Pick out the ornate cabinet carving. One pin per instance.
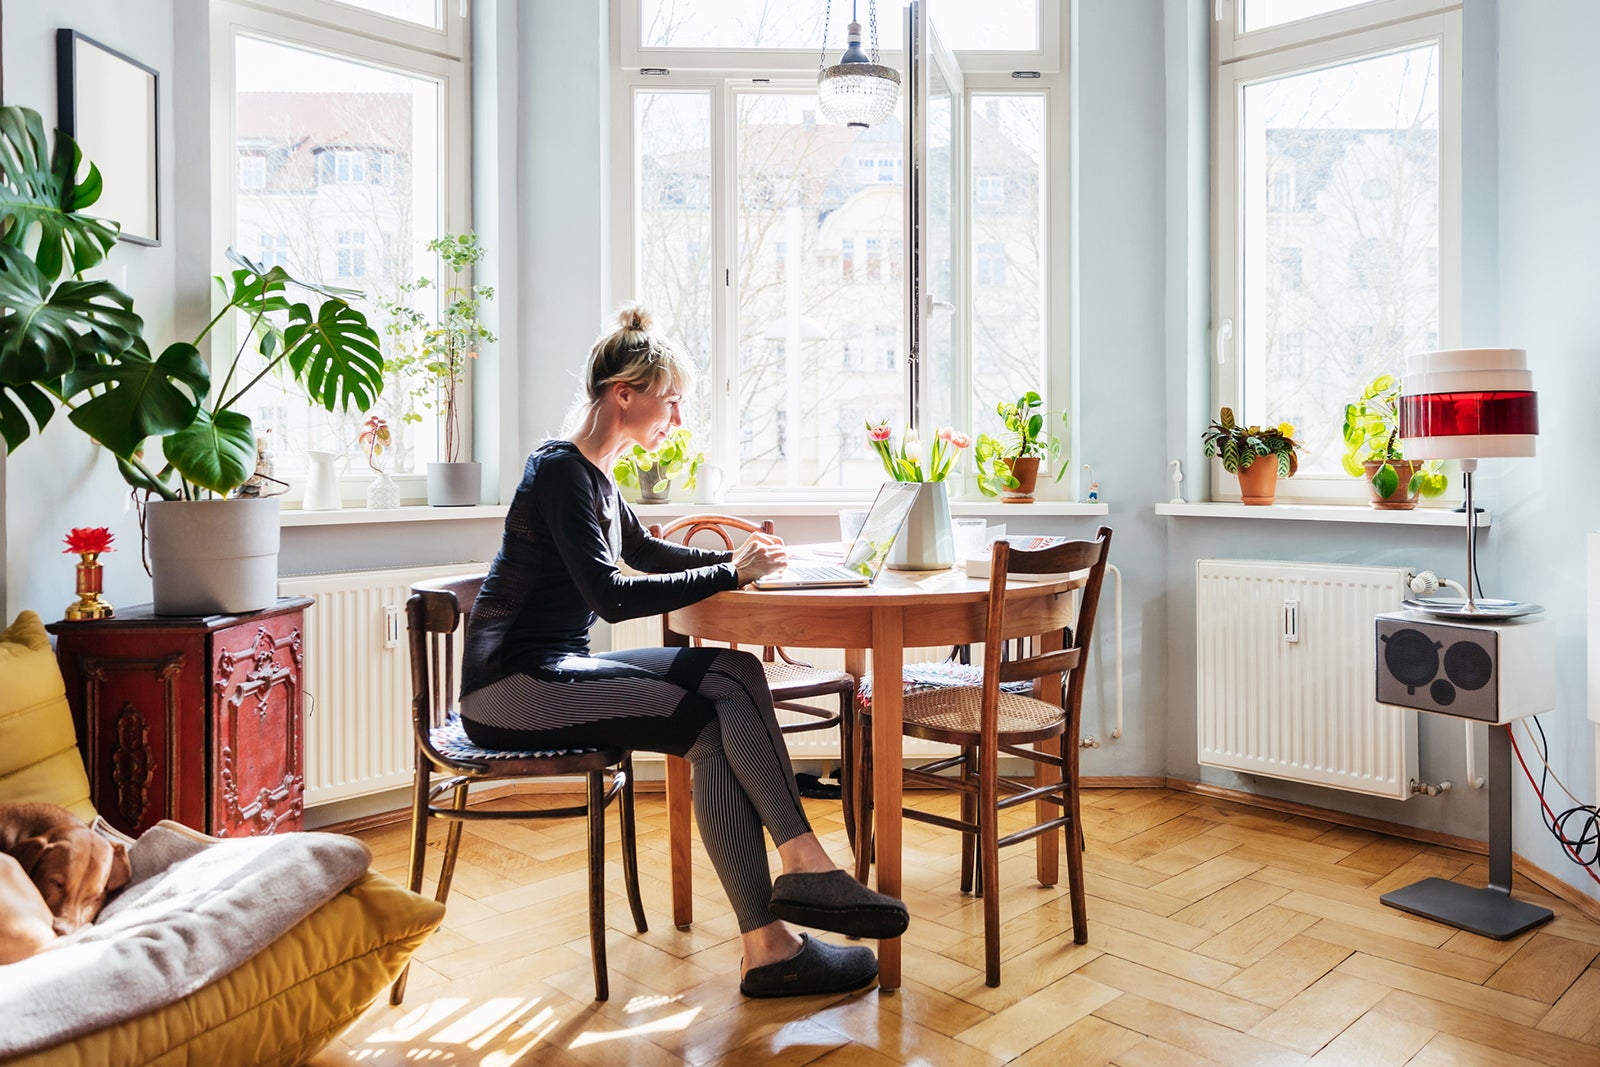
(196, 719)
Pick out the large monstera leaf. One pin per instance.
(133, 397)
(41, 197)
(334, 354)
(216, 452)
(49, 331)
(21, 402)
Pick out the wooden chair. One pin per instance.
(985, 721)
(790, 680)
(437, 615)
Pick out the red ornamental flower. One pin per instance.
(879, 432)
(89, 539)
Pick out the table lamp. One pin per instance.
(1469, 404)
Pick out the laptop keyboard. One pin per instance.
(819, 572)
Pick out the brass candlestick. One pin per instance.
(89, 578)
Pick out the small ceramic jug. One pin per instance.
(708, 481)
(322, 482)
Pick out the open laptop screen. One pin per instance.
(868, 552)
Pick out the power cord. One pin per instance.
(1583, 848)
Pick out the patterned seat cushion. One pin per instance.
(941, 674)
(451, 740)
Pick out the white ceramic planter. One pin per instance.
(454, 485)
(213, 557)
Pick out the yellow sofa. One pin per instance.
(279, 1007)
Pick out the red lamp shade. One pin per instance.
(1468, 403)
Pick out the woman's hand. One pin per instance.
(760, 555)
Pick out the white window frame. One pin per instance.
(1239, 60)
(721, 73)
(349, 33)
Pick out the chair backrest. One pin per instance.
(1070, 557)
(684, 529)
(436, 614)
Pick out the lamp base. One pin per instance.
(1487, 912)
(1451, 608)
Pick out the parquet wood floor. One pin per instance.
(1219, 934)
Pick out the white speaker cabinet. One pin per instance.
(1492, 671)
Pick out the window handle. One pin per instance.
(1224, 335)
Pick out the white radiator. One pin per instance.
(1285, 675)
(358, 679)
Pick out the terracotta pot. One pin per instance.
(1024, 469)
(1400, 499)
(1258, 483)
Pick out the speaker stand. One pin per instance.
(1490, 912)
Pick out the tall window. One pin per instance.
(796, 309)
(350, 155)
(1338, 177)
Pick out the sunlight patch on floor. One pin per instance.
(664, 1025)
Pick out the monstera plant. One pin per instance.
(67, 342)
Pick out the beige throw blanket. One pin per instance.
(194, 911)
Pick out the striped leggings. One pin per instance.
(710, 705)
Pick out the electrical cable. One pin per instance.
(1557, 825)
(1546, 763)
(1588, 840)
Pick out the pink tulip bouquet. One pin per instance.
(905, 464)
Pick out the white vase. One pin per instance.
(383, 493)
(926, 541)
(213, 557)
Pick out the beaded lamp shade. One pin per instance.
(858, 90)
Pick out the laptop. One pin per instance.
(865, 557)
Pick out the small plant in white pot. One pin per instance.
(434, 354)
(75, 344)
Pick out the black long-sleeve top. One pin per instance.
(556, 571)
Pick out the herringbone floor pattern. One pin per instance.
(1218, 934)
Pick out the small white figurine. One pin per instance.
(1177, 482)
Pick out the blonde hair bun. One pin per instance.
(634, 318)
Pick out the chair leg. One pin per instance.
(452, 844)
(419, 852)
(597, 883)
(630, 848)
(847, 800)
(1074, 835)
(862, 744)
(969, 814)
(989, 851)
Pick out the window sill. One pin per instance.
(1320, 513)
(795, 508)
(362, 516)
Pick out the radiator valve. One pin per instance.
(1430, 790)
(1090, 741)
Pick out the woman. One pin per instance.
(530, 682)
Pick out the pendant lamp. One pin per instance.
(858, 90)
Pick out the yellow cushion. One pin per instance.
(39, 760)
(283, 1005)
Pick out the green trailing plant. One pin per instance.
(67, 342)
(1024, 436)
(1241, 446)
(433, 354)
(1372, 435)
(653, 469)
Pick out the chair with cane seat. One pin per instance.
(437, 615)
(985, 721)
(790, 680)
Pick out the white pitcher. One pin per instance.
(708, 484)
(322, 482)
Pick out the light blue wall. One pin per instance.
(1140, 221)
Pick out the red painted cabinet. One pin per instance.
(195, 719)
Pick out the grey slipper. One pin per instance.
(817, 968)
(836, 901)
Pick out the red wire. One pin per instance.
(1570, 850)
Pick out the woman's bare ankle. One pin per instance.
(805, 855)
(772, 943)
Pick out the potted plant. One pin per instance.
(435, 353)
(1008, 466)
(1373, 450)
(1258, 456)
(76, 344)
(375, 437)
(653, 472)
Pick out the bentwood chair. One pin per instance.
(985, 721)
(437, 615)
(792, 681)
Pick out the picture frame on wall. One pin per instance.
(108, 103)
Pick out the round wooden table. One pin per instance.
(903, 609)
